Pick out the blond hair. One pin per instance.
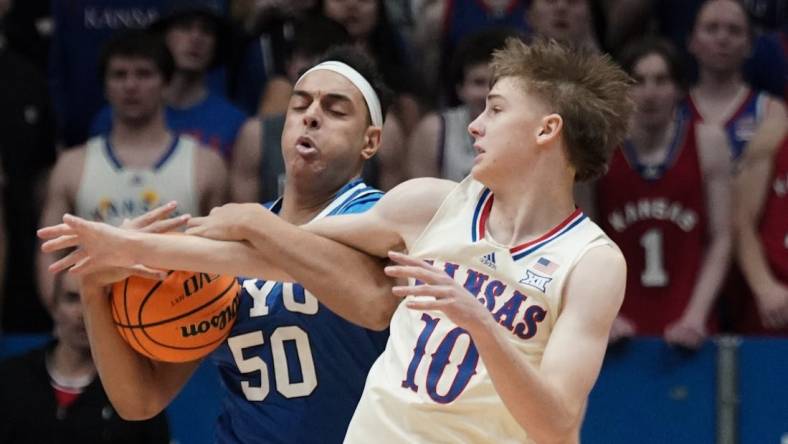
(589, 91)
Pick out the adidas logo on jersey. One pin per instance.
(488, 260)
(535, 280)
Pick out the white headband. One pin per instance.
(373, 103)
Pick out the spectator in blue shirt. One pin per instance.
(195, 32)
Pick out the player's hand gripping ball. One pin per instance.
(179, 319)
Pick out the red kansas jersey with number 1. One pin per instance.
(657, 216)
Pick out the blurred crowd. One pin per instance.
(111, 107)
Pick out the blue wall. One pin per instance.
(647, 393)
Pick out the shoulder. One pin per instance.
(251, 133)
(767, 139)
(774, 106)
(598, 278)
(427, 132)
(71, 158)
(364, 198)
(428, 191)
(430, 123)
(207, 157)
(414, 201)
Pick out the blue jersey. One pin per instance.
(214, 121)
(294, 370)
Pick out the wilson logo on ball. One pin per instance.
(220, 321)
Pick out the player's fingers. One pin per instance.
(153, 215)
(404, 259)
(771, 318)
(60, 243)
(163, 226)
(421, 304)
(415, 272)
(196, 222)
(68, 261)
(54, 231)
(196, 231)
(438, 292)
(768, 320)
(82, 267)
(76, 223)
(147, 272)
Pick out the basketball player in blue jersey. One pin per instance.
(140, 163)
(516, 367)
(293, 368)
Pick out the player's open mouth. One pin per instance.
(306, 146)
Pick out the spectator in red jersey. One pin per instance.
(666, 202)
(720, 41)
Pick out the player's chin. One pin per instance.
(479, 172)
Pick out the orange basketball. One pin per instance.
(179, 319)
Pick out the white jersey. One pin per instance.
(429, 385)
(456, 150)
(110, 192)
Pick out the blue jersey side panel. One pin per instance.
(741, 126)
(294, 371)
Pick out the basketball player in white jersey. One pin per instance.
(140, 164)
(500, 340)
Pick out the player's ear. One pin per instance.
(372, 138)
(549, 129)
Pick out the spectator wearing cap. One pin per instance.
(196, 33)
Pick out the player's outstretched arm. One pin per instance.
(327, 257)
(139, 388)
(339, 258)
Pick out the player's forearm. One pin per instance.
(194, 253)
(712, 275)
(540, 408)
(132, 382)
(752, 259)
(350, 283)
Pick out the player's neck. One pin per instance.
(717, 102)
(140, 145)
(718, 83)
(186, 89)
(651, 141)
(300, 205)
(529, 209)
(71, 362)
